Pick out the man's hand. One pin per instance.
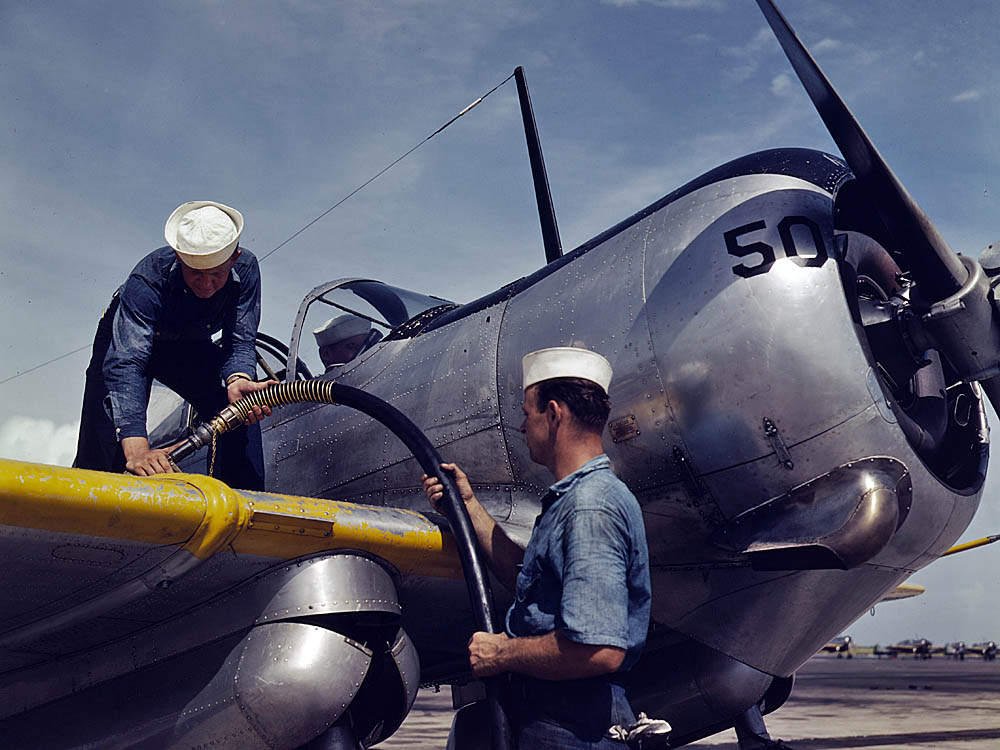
(141, 460)
(486, 653)
(242, 387)
(435, 490)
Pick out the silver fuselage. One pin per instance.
(705, 347)
(748, 417)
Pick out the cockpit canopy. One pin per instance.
(355, 306)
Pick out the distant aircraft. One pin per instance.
(919, 647)
(798, 404)
(842, 645)
(985, 649)
(956, 650)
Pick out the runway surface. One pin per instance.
(887, 704)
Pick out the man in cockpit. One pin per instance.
(341, 339)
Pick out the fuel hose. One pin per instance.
(327, 392)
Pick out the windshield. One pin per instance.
(395, 305)
(340, 320)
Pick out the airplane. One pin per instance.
(841, 645)
(919, 647)
(801, 364)
(955, 650)
(985, 649)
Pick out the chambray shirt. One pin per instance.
(156, 305)
(586, 566)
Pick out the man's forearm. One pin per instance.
(128, 400)
(548, 657)
(502, 553)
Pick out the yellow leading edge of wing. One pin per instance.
(903, 591)
(203, 515)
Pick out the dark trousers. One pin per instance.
(546, 715)
(190, 369)
(750, 730)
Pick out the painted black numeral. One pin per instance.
(788, 241)
(817, 251)
(741, 251)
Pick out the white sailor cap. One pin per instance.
(566, 362)
(340, 328)
(204, 233)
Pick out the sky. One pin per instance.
(116, 112)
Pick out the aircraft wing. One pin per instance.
(903, 591)
(157, 566)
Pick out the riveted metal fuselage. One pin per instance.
(749, 416)
(740, 374)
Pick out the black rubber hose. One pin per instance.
(324, 391)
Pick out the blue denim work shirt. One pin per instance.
(586, 567)
(156, 305)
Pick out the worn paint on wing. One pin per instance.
(203, 515)
(289, 526)
(94, 503)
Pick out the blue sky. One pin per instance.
(116, 112)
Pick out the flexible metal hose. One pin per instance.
(235, 415)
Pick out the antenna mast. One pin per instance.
(546, 211)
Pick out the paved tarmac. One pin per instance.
(887, 704)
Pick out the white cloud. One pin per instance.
(781, 84)
(825, 45)
(967, 96)
(741, 73)
(763, 39)
(38, 440)
(750, 55)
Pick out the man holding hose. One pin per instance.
(581, 587)
(159, 325)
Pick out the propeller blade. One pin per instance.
(935, 268)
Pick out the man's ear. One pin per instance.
(554, 411)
